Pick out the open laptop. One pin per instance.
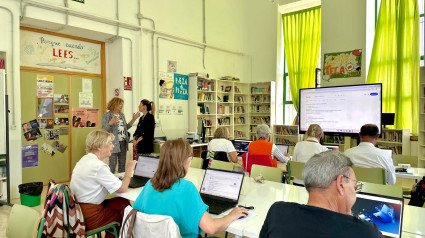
(145, 169)
(332, 147)
(389, 152)
(385, 212)
(283, 148)
(220, 189)
(241, 146)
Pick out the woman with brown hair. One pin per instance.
(144, 134)
(113, 121)
(168, 193)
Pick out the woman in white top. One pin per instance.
(221, 143)
(304, 150)
(92, 180)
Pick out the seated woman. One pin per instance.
(168, 193)
(221, 143)
(304, 150)
(92, 180)
(262, 146)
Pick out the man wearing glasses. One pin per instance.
(331, 184)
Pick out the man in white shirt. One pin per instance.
(366, 155)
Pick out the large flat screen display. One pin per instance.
(342, 109)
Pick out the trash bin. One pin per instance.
(30, 193)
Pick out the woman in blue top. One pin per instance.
(168, 193)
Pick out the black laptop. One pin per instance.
(145, 169)
(241, 146)
(386, 212)
(220, 189)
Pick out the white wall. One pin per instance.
(247, 27)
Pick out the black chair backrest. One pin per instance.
(221, 155)
(204, 158)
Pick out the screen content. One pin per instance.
(241, 145)
(146, 166)
(222, 184)
(386, 213)
(341, 109)
(332, 147)
(283, 148)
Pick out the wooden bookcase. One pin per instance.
(260, 106)
(421, 139)
(397, 140)
(344, 142)
(286, 134)
(241, 110)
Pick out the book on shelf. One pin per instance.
(223, 121)
(237, 90)
(222, 109)
(393, 136)
(240, 99)
(285, 131)
(260, 90)
(239, 109)
(226, 98)
(240, 121)
(228, 89)
(239, 134)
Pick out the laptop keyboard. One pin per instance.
(217, 206)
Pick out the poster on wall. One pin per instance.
(61, 98)
(29, 156)
(169, 107)
(181, 86)
(42, 50)
(85, 99)
(44, 86)
(342, 65)
(166, 85)
(85, 117)
(87, 85)
(48, 149)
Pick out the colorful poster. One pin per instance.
(128, 83)
(61, 98)
(166, 85)
(29, 156)
(48, 149)
(181, 86)
(59, 146)
(85, 117)
(44, 86)
(42, 50)
(342, 65)
(31, 130)
(86, 100)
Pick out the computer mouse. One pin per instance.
(246, 213)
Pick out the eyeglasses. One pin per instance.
(191, 156)
(359, 185)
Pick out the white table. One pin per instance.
(412, 173)
(262, 196)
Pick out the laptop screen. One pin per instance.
(241, 145)
(389, 152)
(385, 212)
(332, 147)
(225, 184)
(146, 166)
(283, 148)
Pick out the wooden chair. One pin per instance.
(295, 169)
(268, 173)
(196, 163)
(405, 159)
(216, 164)
(23, 222)
(371, 175)
(249, 159)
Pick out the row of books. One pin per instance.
(260, 108)
(240, 120)
(260, 120)
(260, 98)
(206, 97)
(205, 85)
(206, 122)
(285, 131)
(239, 109)
(222, 109)
(240, 99)
(202, 109)
(285, 141)
(225, 98)
(224, 121)
(226, 89)
(260, 90)
(333, 139)
(393, 136)
(239, 134)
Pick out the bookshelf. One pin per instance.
(240, 110)
(397, 140)
(225, 99)
(260, 106)
(206, 91)
(286, 134)
(344, 142)
(421, 127)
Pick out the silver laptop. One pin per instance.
(220, 189)
(145, 169)
(283, 148)
(385, 212)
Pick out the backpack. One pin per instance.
(62, 213)
(418, 196)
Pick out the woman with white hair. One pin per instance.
(262, 146)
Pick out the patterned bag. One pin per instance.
(63, 217)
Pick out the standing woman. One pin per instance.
(144, 134)
(114, 122)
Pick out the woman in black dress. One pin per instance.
(144, 135)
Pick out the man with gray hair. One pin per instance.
(331, 184)
(262, 146)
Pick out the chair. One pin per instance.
(196, 163)
(216, 164)
(249, 159)
(295, 169)
(23, 222)
(268, 173)
(371, 175)
(405, 159)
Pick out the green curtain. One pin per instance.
(395, 61)
(302, 34)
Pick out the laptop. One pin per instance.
(386, 212)
(332, 147)
(145, 169)
(389, 152)
(220, 189)
(241, 146)
(283, 148)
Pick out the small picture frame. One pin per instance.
(44, 108)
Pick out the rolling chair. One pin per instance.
(268, 173)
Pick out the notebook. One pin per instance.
(385, 212)
(145, 169)
(283, 148)
(332, 147)
(220, 189)
(241, 146)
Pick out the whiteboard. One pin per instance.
(2, 112)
